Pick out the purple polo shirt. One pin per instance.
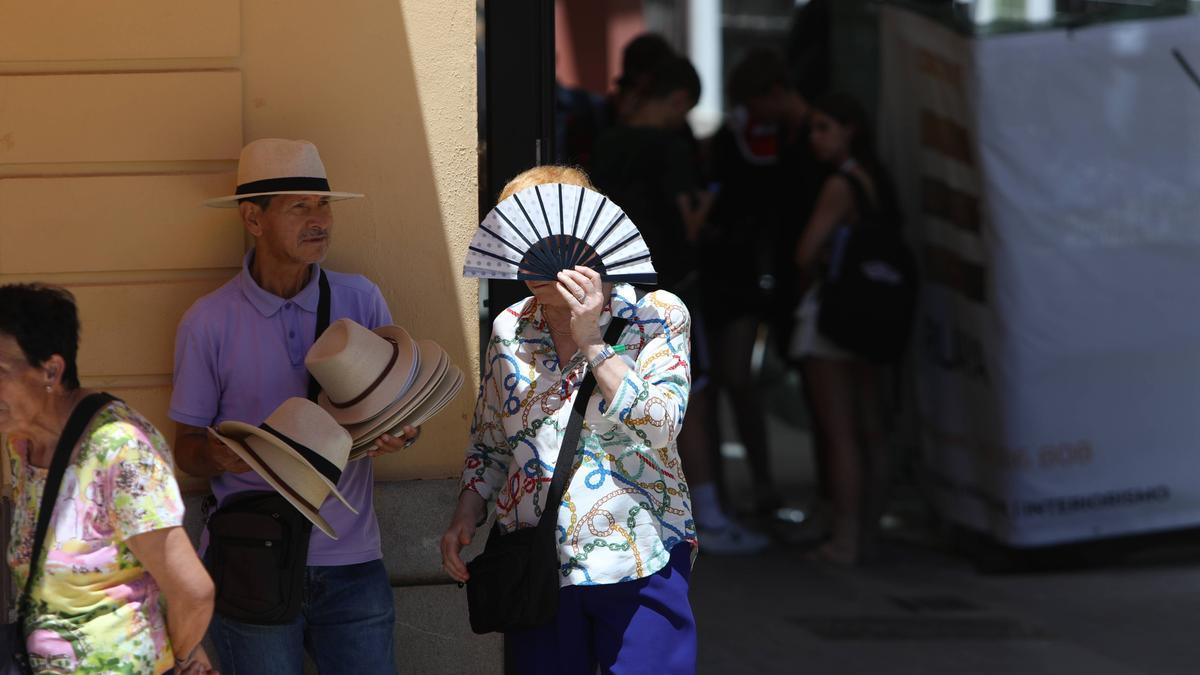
(239, 353)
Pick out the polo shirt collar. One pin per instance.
(268, 303)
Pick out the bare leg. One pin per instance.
(876, 463)
(832, 382)
(733, 361)
(694, 439)
(820, 449)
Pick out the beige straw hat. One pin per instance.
(362, 372)
(434, 365)
(278, 166)
(300, 450)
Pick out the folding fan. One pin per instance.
(544, 229)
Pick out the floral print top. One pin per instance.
(94, 608)
(627, 504)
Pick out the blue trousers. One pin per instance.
(346, 625)
(642, 626)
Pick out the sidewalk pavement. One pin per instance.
(923, 609)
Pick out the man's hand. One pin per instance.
(201, 454)
(387, 443)
(224, 458)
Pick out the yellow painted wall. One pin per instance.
(118, 118)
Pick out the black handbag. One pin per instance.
(257, 556)
(258, 542)
(514, 583)
(869, 294)
(14, 660)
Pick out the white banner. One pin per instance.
(1051, 182)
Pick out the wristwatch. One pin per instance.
(606, 353)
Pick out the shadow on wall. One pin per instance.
(386, 90)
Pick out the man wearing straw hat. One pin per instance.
(239, 354)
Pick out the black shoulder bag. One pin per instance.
(17, 660)
(869, 294)
(258, 542)
(513, 584)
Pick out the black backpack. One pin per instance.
(870, 291)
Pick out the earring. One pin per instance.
(49, 388)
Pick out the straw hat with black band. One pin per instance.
(299, 450)
(278, 166)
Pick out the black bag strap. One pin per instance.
(868, 210)
(570, 443)
(322, 323)
(83, 413)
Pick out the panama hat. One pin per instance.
(278, 166)
(434, 365)
(362, 372)
(300, 450)
(444, 391)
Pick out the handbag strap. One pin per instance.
(314, 389)
(80, 416)
(868, 210)
(570, 443)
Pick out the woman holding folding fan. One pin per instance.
(624, 530)
(107, 578)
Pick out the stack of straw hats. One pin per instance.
(378, 381)
(373, 383)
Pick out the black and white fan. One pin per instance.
(544, 229)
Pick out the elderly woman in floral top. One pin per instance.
(115, 557)
(625, 528)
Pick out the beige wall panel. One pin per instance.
(49, 225)
(130, 329)
(65, 30)
(120, 118)
(392, 109)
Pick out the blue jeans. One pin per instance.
(346, 624)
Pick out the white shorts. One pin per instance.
(807, 341)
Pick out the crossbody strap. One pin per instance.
(868, 210)
(80, 416)
(314, 389)
(570, 443)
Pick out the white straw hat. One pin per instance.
(300, 450)
(362, 372)
(434, 365)
(278, 166)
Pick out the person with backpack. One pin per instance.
(857, 282)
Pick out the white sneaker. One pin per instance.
(733, 539)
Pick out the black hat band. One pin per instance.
(287, 184)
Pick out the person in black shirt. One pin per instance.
(761, 162)
(648, 166)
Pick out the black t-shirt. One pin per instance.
(756, 223)
(644, 170)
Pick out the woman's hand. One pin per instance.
(583, 292)
(470, 510)
(197, 663)
(168, 556)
